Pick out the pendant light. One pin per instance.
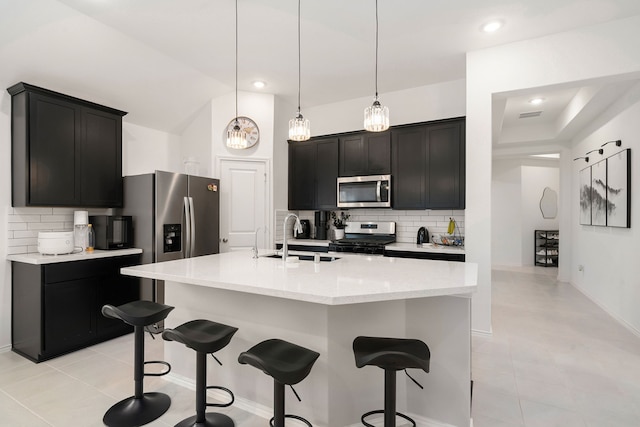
(299, 127)
(376, 116)
(236, 137)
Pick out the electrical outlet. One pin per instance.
(580, 267)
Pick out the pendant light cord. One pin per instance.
(376, 49)
(299, 67)
(237, 62)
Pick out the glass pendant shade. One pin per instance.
(376, 117)
(236, 138)
(299, 128)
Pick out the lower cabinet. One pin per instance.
(56, 308)
(438, 256)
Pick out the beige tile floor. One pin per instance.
(554, 359)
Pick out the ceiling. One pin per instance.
(162, 60)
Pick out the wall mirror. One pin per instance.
(549, 203)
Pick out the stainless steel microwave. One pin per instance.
(372, 191)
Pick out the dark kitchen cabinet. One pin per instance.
(313, 173)
(326, 173)
(56, 308)
(365, 153)
(302, 175)
(409, 174)
(428, 166)
(65, 151)
(445, 165)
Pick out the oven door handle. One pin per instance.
(378, 185)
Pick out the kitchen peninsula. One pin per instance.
(324, 306)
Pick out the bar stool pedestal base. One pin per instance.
(133, 411)
(211, 420)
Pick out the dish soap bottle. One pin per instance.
(91, 238)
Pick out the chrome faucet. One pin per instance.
(297, 226)
(254, 249)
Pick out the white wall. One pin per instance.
(196, 143)
(583, 55)
(506, 218)
(5, 209)
(146, 150)
(609, 255)
(420, 104)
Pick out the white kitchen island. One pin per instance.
(323, 307)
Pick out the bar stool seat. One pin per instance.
(392, 355)
(205, 337)
(287, 364)
(141, 408)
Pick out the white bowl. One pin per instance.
(55, 242)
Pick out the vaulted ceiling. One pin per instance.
(162, 60)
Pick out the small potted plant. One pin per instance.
(339, 223)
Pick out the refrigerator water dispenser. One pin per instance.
(172, 237)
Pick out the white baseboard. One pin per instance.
(240, 403)
(480, 333)
(604, 308)
(5, 348)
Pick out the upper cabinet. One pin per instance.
(65, 151)
(428, 165)
(365, 153)
(313, 174)
(426, 162)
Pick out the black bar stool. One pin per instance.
(391, 354)
(205, 337)
(287, 364)
(141, 408)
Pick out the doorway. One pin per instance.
(245, 203)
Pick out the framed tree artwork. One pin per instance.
(585, 196)
(599, 193)
(619, 189)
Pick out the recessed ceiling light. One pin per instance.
(259, 84)
(492, 26)
(536, 101)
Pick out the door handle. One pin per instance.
(192, 214)
(187, 223)
(225, 240)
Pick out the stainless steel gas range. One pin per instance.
(365, 237)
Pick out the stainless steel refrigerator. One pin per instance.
(175, 216)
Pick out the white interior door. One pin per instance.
(244, 204)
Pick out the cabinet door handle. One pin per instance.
(225, 240)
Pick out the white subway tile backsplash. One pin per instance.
(12, 250)
(23, 218)
(407, 222)
(23, 225)
(16, 226)
(25, 234)
(23, 242)
(48, 226)
(56, 218)
(32, 211)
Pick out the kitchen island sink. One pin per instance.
(304, 257)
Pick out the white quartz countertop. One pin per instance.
(408, 247)
(349, 280)
(37, 258)
(426, 247)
